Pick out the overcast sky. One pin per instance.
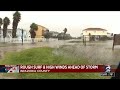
(74, 21)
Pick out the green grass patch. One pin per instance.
(45, 56)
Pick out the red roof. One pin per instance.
(98, 29)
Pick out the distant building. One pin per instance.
(110, 35)
(61, 36)
(40, 31)
(53, 34)
(18, 34)
(8, 34)
(94, 33)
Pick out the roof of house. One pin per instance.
(98, 29)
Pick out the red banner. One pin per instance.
(58, 68)
(61, 68)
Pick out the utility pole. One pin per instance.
(84, 40)
(22, 36)
(113, 41)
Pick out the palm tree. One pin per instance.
(6, 22)
(0, 24)
(16, 20)
(65, 30)
(33, 28)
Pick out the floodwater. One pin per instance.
(7, 47)
(98, 52)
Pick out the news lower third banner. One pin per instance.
(57, 68)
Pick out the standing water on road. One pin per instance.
(99, 52)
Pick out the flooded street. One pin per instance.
(7, 47)
(99, 52)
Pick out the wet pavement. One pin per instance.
(7, 47)
(99, 52)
